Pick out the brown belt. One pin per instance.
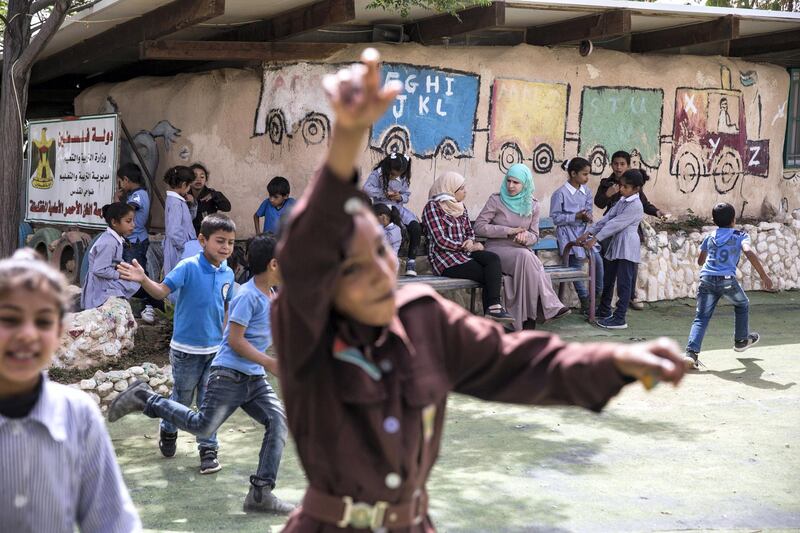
(343, 512)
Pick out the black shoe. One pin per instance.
(752, 339)
(260, 499)
(499, 315)
(529, 324)
(600, 315)
(167, 443)
(208, 461)
(690, 359)
(612, 323)
(131, 400)
(564, 311)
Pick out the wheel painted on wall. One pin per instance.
(598, 160)
(510, 154)
(447, 149)
(68, 254)
(276, 126)
(395, 141)
(726, 169)
(85, 261)
(688, 167)
(315, 128)
(543, 158)
(42, 239)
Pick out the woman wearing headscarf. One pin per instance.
(510, 223)
(452, 250)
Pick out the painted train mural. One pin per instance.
(437, 116)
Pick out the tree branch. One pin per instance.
(45, 33)
(38, 5)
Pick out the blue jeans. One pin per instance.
(138, 251)
(623, 273)
(580, 287)
(711, 289)
(227, 390)
(190, 373)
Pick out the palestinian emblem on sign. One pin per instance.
(45, 159)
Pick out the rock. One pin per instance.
(115, 375)
(88, 384)
(688, 276)
(132, 380)
(773, 248)
(163, 390)
(100, 376)
(105, 388)
(95, 398)
(152, 371)
(677, 242)
(120, 385)
(761, 247)
(796, 214)
(136, 370)
(663, 239)
(111, 397)
(157, 381)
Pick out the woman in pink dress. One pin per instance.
(510, 223)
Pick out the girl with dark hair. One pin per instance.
(103, 281)
(207, 200)
(177, 217)
(389, 183)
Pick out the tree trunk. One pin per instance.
(19, 54)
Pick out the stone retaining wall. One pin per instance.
(103, 387)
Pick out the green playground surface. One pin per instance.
(719, 453)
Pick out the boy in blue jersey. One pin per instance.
(203, 284)
(276, 207)
(236, 380)
(719, 255)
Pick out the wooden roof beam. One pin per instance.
(766, 43)
(300, 20)
(236, 51)
(160, 22)
(473, 19)
(606, 25)
(719, 30)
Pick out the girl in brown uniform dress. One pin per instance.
(366, 369)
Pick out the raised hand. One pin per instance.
(131, 271)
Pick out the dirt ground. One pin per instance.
(718, 453)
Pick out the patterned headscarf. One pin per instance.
(443, 191)
(522, 203)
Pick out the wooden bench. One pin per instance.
(560, 274)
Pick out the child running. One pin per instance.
(390, 183)
(203, 284)
(621, 224)
(571, 211)
(60, 473)
(719, 255)
(103, 281)
(177, 217)
(236, 380)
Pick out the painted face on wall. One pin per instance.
(619, 165)
(365, 288)
(513, 186)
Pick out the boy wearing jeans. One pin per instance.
(237, 379)
(719, 255)
(203, 284)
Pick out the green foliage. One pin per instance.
(441, 6)
(770, 5)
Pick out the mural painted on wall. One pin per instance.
(527, 122)
(620, 118)
(710, 138)
(434, 115)
(282, 116)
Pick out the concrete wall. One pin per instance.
(708, 129)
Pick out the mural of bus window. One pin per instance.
(620, 118)
(433, 116)
(527, 122)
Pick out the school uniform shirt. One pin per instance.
(565, 202)
(140, 200)
(200, 306)
(724, 248)
(366, 407)
(215, 203)
(621, 223)
(103, 281)
(59, 469)
(272, 216)
(251, 309)
(179, 229)
(446, 234)
(374, 189)
(393, 236)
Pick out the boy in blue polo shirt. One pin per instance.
(203, 285)
(236, 380)
(719, 255)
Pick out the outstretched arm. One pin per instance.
(756, 262)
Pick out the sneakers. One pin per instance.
(564, 311)
(149, 314)
(260, 499)
(208, 461)
(638, 305)
(690, 359)
(499, 315)
(411, 267)
(131, 400)
(612, 323)
(752, 339)
(599, 315)
(167, 443)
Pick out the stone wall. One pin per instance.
(104, 387)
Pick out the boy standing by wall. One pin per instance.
(719, 255)
(204, 286)
(275, 207)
